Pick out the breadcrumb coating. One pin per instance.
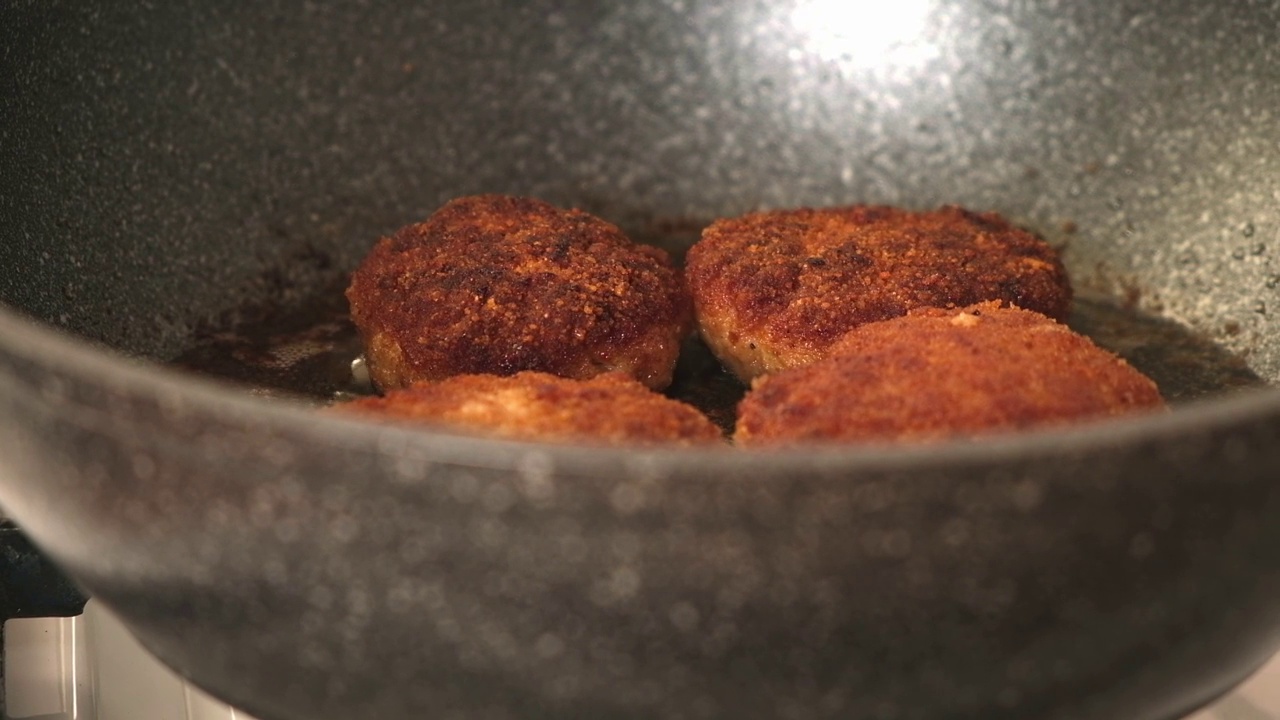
(497, 284)
(936, 374)
(775, 289)
(612, 409)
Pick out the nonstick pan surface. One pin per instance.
(172, 168)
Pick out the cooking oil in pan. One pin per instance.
(306, 352)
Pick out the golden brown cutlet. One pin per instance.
(498, 284)
(935, 374)
(612, 409)
(775, 289)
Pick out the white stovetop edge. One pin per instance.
(90, 668)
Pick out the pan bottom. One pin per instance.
(305, 352)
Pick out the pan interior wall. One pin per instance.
(165, 164)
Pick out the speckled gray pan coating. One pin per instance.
(181, 149)
(158, 160)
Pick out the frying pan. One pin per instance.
(167, 165)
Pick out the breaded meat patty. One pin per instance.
(936, 374)
(496, 284)
(775, 289)
(610, 409)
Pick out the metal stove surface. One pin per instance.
(89, 667)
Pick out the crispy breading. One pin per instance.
(612, 409)
(496, 284)
(775, 289)
(936, 374)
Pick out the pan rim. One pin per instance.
(86, 360)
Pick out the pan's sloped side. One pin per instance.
(1124, 571)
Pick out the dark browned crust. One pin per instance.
(775, 289)
(496, 284)
(936, 374)
(611, 409)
